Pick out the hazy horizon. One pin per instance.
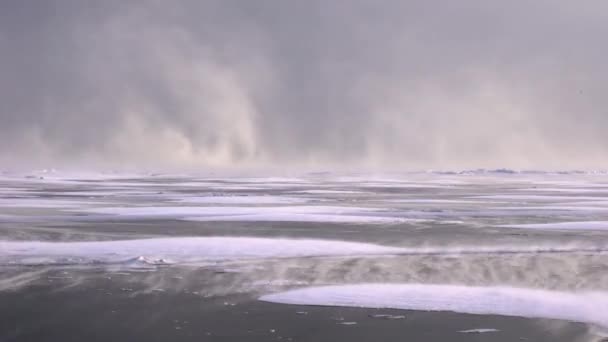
(315, 85)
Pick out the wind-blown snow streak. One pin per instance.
(280, 213)
(42, 203)
(553, 208)
(586, 307)
(539, 198)
(185, 250)
(330, 192)
(242, 200)
(226, 210)
(581, 225)
(178, 250)
(321, 218)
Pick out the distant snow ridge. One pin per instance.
(479, 331)
(184, 250)
(580, 225)
(296, 213)
(475, 172)
(242, 200)
(586, 307)
(507, 171)
(164, 251)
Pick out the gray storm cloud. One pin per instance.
(235, 83)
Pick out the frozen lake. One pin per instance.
(482, 247)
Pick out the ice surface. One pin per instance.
(580, 225)
(278, 213)
(198, 249)
(587, 307)
(541, 198)
(226, 210)
(403, 185)
(479, 331)
(42, 203)
(477, 251)
(309, 217)
(553, 208)
(587, 203)
(440, 201)
(7, 218)
(107, 192)
(263, 180)
(387, 316)
(178, 250)
(243, 200)
(329, 192)
(599, 190)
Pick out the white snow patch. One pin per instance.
(403, 185)
(263, 180)
(438, 201)
(280, 214)
(42, 203)
(580, 225)
(564, 189)
(286, 217)
(587, 203)
(553, 208)
(163, 251)
(586, 307)
(329, 192)
(479, 331)
(541, 198)
(242, 200)
(226, 210)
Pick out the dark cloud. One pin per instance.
(374, 84)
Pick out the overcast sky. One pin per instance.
(378, 84)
